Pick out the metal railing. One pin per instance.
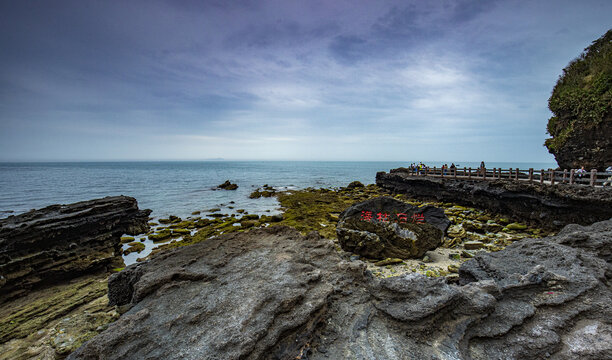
(542, 176)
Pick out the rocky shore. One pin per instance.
(54, 266)
(274, 293)
(545, 206)
(284, 286)
(61, 242)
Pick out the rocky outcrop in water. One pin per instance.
(62, 242)
(227, 185)
(384, 227)
(275, 294)
(546, 206)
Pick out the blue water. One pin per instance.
(179, 188)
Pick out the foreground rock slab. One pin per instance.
(275, 294)
(61, 242)
(384, 227)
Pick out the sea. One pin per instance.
(182, 187)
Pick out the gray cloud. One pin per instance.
(190, 76)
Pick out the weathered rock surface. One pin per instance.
(581, 103)
(227, 185)
(549, 207)
(272, 293)
(61, 242)
(363, 231)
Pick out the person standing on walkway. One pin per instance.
(609, 179)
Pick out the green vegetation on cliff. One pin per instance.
(582, 97)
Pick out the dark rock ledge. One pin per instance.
(275, 294)
(62, 242)
(549, 207)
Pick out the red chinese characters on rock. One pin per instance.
(417, 218)
(382, 217)
(366, 216)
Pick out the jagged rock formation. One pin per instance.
(581, 103)
(274, 294)
(546, 206)
(384, 227)
(227, 185)
(61, 242)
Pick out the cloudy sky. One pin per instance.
(285, 80)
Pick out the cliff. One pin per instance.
(581, 103)
(549, 207)
(61, 242)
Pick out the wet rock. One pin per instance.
(374, 229)
(265, 193)
(248, 223)
(388, 261)
(161, 236)
(126, 239)
(516, 226)
(473, 245)
(181, 231)
(276, 218)
(354, 185)
(61, 242)
(227, 185)
(272, 293)
(456, 231)
(134, 247)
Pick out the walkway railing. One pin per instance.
(548, 177)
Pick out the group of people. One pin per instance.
(582, 172)
(421, 168)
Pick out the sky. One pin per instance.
(285, 80)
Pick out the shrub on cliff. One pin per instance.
(582, 97)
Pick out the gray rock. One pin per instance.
(547, 206)
(393, 236)
(274, 294)
(61, 242)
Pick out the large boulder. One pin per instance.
(275, 294)
(61, 242)
(384, 227)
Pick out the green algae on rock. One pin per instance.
(134, 247)
(581, 103)
(53, 322)
(126, 239)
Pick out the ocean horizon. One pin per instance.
(182, 187)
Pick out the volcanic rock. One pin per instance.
(61, 242)
(275, 294)
(354, 185)
(546, 206)
(227, 185)
(384, 227)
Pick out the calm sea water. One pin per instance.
(179, 188)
